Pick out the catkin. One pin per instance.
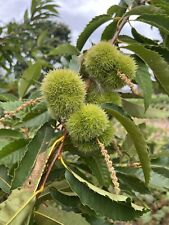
(110, 167)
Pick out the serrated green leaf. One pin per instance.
(17, 208)
(4, 180)
(137, 137)
(155, 62)
(90, 28)
(164, 52)
(161, 169)
(13, 158)
(12, 147)
(127, 39)
(142, 39)
(157, 180)
(70, 201)
(132, 183)
(163, 4)
(116, 207)
(10, 134)
(10, 106)
(35, 120)
(143, 79)
(64, 50)
(54, 216)
(144, 9)
(109, 31)
(99, 169)
(5, 97)
(157, 20)
(30, 75)
(37, 145)
(116, 9)
(138, 111)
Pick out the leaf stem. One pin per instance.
(121, 23)
(56, 156)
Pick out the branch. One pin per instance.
(56, 156)
(32, 182)
(123, 21)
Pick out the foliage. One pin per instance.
(32, 40)
(46, 177)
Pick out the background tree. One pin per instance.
(32, 39)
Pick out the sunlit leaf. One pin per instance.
(64, 49)
(17, 208)
(28, 78)
(90, 28)
(38, 144)
(116, 207)
(54, 216)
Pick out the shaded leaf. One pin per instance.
(142, 39)
(13, 158)
(5, 97)
(143, 79)
(17, 208)
(4, 180)
(161, 169)
(67, 200)
(144, 9)
(10, 134)
(157, 20)
(137, 137)
(99, 169)
(108, 32)
(137, 110)
(132, 183)
(164, 52)
(55, 216)
(155, 62)
(12, 147)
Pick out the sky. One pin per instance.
(75, 13)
